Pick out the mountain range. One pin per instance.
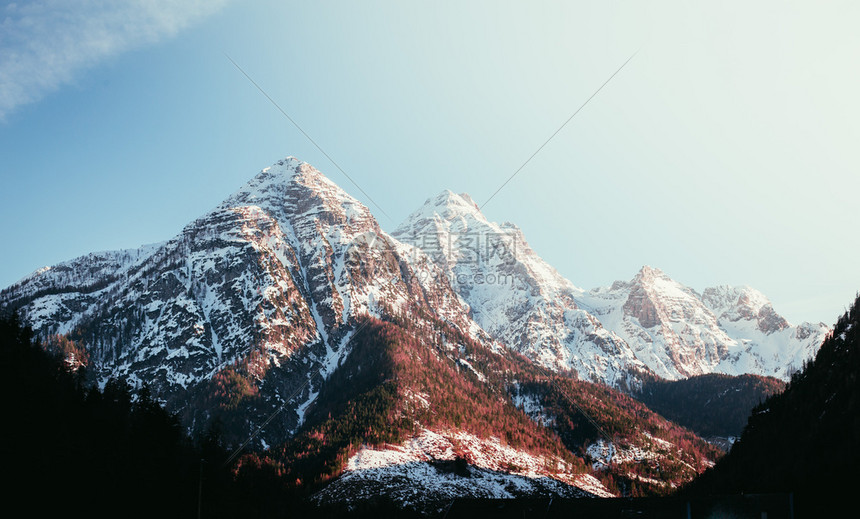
(447, 350)
(650, 323)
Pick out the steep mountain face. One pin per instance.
(514, 295)
(805, 439)
(679, 333)
(242, 308)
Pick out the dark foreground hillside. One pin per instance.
(69, 450)
(807, 439)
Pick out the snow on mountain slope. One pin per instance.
(767, 343)
(604, 454)
(607, 334)
(441, 465)
(679, 333)
(513, 294)
(665, 323)
(274, 277)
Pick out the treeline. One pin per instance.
(712, 404)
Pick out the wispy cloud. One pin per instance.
(45, 44)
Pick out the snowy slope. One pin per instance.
(607, 334)
(423, 472)
(679, 333)
(515, 295)
(767, 344)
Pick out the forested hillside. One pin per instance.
(395, 383)
(712, 404)
(807, 438)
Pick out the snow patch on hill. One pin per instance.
(425, 468)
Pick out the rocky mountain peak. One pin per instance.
(648, 274)
(444, 211)
(268, 181)
(297, 194)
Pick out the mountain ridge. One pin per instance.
(616, 334)
(273, 276)
(678, 332)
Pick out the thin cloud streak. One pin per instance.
(46, 44)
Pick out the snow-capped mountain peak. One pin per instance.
(659, 283)
(514, 295)
(445, 210)
(648, 273)
(277, 274)
(291, 188)
(448, 198)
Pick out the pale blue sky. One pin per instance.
(724, 152)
